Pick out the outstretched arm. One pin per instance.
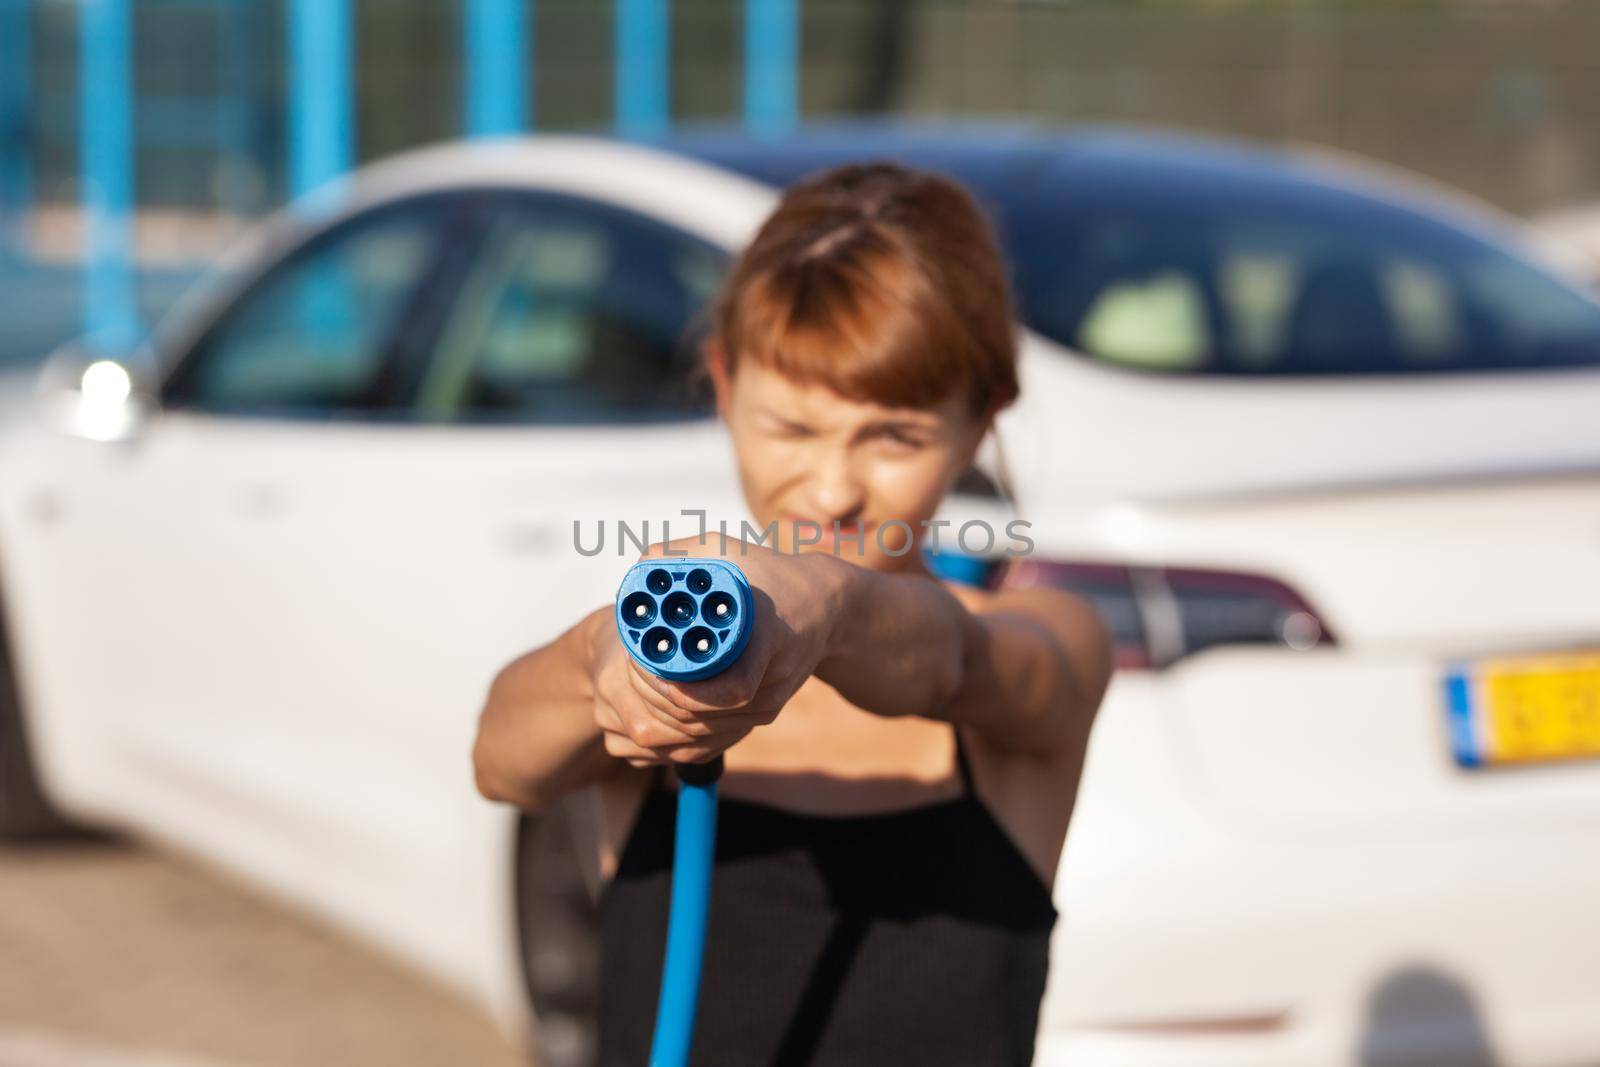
(575, 710)
(1025, 669)
(537, 736)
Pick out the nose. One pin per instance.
(836, 490)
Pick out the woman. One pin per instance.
(901, 755)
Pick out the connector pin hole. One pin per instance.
(678, 609)
(719, 608)
(659, 644)
(639, 608)
(699, 644)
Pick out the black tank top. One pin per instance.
(918, 936)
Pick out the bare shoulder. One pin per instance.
(1037, 626)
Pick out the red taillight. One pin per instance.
(1161, 614)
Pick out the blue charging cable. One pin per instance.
(685, 619)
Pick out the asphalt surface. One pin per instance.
(118, 956)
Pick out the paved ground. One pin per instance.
(116, 956)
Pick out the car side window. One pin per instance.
(311, 338)
(573, 312)
(1156, 321)
(1293, 290)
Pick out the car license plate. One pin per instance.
(1524, 709)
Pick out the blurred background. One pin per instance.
(1493, 98)
(141, 140)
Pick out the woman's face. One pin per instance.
(808, 455)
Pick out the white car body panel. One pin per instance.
(1263, 837)
(1198, 437)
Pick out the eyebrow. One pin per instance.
(873, 426)
(882, 425)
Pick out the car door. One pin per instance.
(289, 594)
(360, 574)
(559, 426)
(561, 392)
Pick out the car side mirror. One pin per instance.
(86, 393)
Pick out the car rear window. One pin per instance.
(1270, 289)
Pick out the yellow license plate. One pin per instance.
(1521, 709)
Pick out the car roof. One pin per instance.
(1020, 170)
(1011, 161)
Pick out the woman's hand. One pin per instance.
(647, 719)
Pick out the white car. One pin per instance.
(1326, 455)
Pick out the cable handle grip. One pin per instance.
(700, 774)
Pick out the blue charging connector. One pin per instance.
(686, 619)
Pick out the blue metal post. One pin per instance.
(16, 105)
(320, 102)
(497, 62)
(237, 49)
(771, 69)
(643, 85)
(105, 133)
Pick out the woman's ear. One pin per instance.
(716, 357)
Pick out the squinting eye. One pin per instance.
(791, 430)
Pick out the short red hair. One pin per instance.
(881, 282)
